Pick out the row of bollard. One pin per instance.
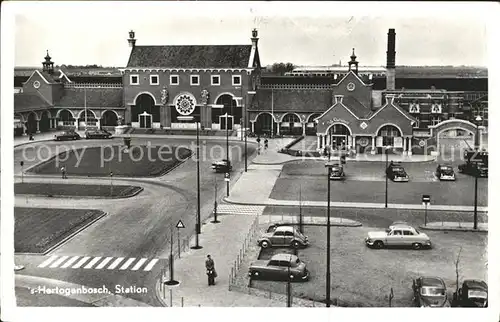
(242, 252)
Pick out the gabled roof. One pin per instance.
(29, 101)
(355, 75)
(209, 56)
(390, 101)
(93, 97)
(292, 100)
(356, 107)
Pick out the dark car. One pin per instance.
(396, 173)
(222, 166)
(284, 236)
(98, 134)
(337, 172)
(430, 291)
(479, 169)
(445, 172)
(473, 293)
(67, 135)
(280, 267)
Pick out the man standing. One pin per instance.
(63, 172)
(210, 266)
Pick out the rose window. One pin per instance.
(185, 104)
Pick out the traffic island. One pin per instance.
(138, 161)
(76, 190)
(455, 226)
(39, 230)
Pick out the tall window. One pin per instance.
(388, 133)
(435, 120)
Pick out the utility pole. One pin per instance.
(301, 227)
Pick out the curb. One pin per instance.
(136, 192)
(32, 142)
(297, 159)
(361, 206)
(449, 228)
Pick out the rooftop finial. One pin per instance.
(353, 56)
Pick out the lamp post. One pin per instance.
(198, 217)
(215, 221)
(227, 150)
(476, 175)
(328, 165)
(386, 150)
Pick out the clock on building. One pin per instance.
(36, 84)
(351, 87)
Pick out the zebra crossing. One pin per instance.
(108, 263)
(232, 209)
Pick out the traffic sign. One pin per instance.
(226, 176)
(426, 199)
(180, 224)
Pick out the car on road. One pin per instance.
(283, 236)
(281, 267)
(445, 172)
(67, 135)
(222, 166)
(98, 134)
(430, 291)
(337, 172)
(399, 235)
(473, 293)
(479, 169)
(396, 173)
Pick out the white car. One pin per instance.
(399, 235)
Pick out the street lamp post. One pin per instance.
(476, 175)
(386, 176)
(329, 166)
(198, 216)
(227, 150)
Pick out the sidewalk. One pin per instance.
(457, 226)
(39, 137)
(189, 270)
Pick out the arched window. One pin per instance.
(388, 133)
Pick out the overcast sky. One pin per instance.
(302, 33)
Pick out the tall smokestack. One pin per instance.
(391, 60)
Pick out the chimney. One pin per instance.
(131, 39)
(391, 60)
(338, 98)
(255, 38)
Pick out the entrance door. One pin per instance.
(230, 121)
(339, 142)
(145, 120)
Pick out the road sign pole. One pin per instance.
(425, 219)
(178, 242)
(171, 254)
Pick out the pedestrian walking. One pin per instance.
(63, 172)
(211, 273)
(266, 142)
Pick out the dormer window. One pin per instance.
(414, 108)
(436, 108)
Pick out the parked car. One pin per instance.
(98, 134)
(222, 166)
(430, 291)
(473, 293)
(445, 172)
(284, 236)
(399, 235)
(280, 266)
(337, 172)
(396, 173)
(479, 169)
(67, 135)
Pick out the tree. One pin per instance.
(282, 68)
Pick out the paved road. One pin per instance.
(135, 228)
